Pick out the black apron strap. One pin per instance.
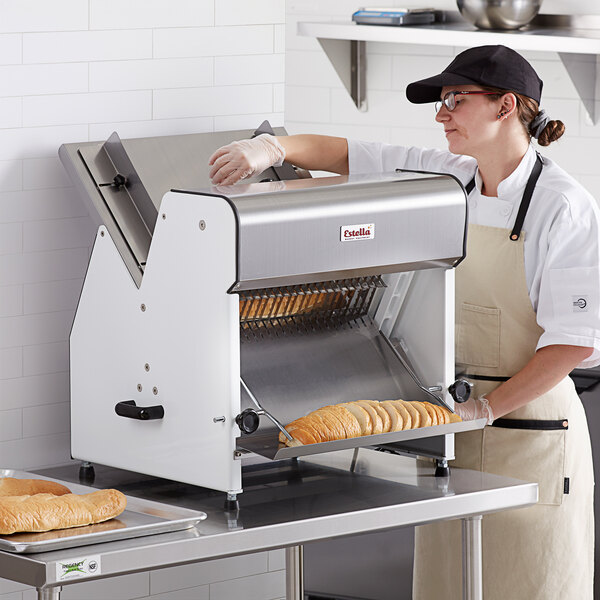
(527, 194)
(483, 377)
(469, 187)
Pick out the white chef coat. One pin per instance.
(562, 234)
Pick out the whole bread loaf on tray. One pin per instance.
(44, 512)
(364, 417)
(57, 534)
(11, 486)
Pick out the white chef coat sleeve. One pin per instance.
(375, 157)
(569, 298)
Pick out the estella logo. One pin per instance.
(353, 233)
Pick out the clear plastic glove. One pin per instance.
(475, 408)
(244, 158)
(272, 186)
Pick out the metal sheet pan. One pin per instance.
(140, 518)
(268, 445)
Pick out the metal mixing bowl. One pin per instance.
(499, 14)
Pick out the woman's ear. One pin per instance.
(508, 105)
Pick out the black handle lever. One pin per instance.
(460, 390)
(128, 409)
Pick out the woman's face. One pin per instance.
(472, 127)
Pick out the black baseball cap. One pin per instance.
(494, 66)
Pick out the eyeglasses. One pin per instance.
(449, 100)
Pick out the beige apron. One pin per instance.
(544, 552)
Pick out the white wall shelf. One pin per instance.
(578, 48)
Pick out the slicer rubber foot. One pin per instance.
(442, 469)
(231, 503)
(86, 473)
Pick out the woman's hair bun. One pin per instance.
(543, 129)
(551, 132)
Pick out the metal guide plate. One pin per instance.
(140, 518)
(267, 444)
(294, 374)
(131, 226)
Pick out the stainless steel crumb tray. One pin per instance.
(140, 518)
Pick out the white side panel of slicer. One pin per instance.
(177, 337)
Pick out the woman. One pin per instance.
(527, 314)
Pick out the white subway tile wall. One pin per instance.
(154, 73)
(28, 80)
(84, 46)
(149, 14)
(75, 71)
(10, 48)
(9, 587)
(216, 100)
(191, 576)
(20, 16)
(10, 112)
(213, 41)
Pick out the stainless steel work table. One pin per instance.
(284, 505)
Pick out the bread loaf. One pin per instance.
(375, 417)
(386, 422)
(9, 486)
(326, 424)
(43, 512)
(424, 418)
(40, 536)
(406, 416)
(349, 423)
(432, 413)
(415, 419)
(395, 416)
(364, 417)
(289, 306)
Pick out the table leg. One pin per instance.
(294, 573)
(49, 593)
(472, 571)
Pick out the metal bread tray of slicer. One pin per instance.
(140, 518)
(267, 444)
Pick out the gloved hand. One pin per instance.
(244, 158)
(475, 408)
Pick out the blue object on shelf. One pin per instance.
(391, 16)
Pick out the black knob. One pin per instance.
(119, 180)
(460, 390)
(248, 420)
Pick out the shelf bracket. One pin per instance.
(584, 71)
(349, 59)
